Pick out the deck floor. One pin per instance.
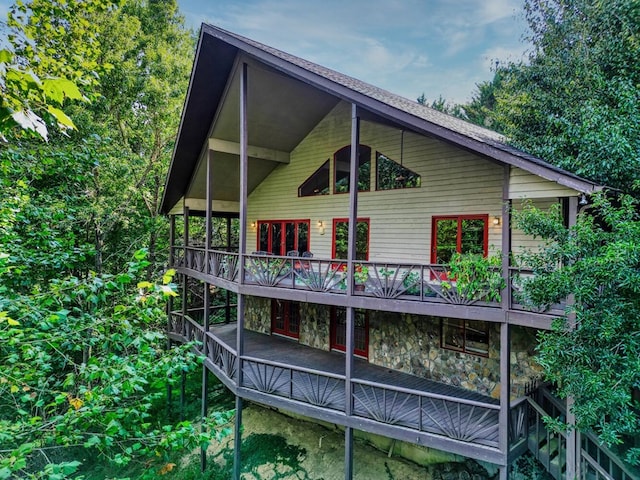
(456, 420)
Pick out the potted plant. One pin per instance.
(360, 276)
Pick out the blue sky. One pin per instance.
(439, 47)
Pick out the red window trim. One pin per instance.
(341, 348)
(288, 304)
(283, 233)
(346, 220)
(434, 232)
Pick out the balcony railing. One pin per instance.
(412, 282)
(463, 418)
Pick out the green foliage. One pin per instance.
(476, 277)
(85, 365)
(575, 102)
(51, 55)
(593, 352)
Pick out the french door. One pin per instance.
(285, 318)
(339, 331)
(282, 236)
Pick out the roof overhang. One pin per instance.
(287, 96)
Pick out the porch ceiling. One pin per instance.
(281, 112)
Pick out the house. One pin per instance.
(354, 305)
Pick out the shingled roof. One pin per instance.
(217, 47)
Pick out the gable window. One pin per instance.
(285, 318)
(458, 234)
(342, 161)
(341, 238)
(469, 336)
(281, 236)
(391, 175)
(317, 183)
(360, 331)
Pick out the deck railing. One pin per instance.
(315, 387)
(458, 418)
(413, 282)
(520, 301)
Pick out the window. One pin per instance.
(280, 236)
(342, 161)
(317, 183)
(469, 336)
(391, 175)
(360, 331)
(285, 318)
(341, 238)
(461, 234)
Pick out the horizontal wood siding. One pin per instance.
(454, 182)
(527, 185)
(519, 239)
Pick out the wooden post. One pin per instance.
(351, 314)
(227, 305)
(244, 169)
(172, 240)
(505, 396)
(573, 447)
(237, 439)
(208, 219)
(204, 413)
(505, 330)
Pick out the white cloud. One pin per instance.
(405, 46)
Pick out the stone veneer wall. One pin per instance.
(314, 323)
(257, 314)
(411, 343)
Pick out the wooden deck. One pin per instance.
(284, 368)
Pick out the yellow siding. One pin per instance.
(453, 182)
(527, 185)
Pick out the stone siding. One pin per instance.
(411, 344)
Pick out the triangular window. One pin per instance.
(317, 183)
(391, 175)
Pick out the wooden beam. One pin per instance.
(505, 394)
(237, 439)
(573, 447)
(263, 153)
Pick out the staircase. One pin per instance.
(550, 447)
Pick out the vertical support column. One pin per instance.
(505, 329)
(204, 413)
(185, 309)
(208, 213)
(505, 395)
(172, 241)
(506, 239)
(242, 244)
(227, 305)
(351, 255)
(573, 445)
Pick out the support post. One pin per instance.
(204, 413)
(506, 240)
(505, 395)
(227, 305)
(242, 244)
(573, 446)
(237, 439)
(208, 219)
(505, 330)
(351, 313)
(172, 240)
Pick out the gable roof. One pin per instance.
(214, 62)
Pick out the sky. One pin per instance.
(409, 47)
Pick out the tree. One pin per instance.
(596, 358)
(35, 83)
(575, 102)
